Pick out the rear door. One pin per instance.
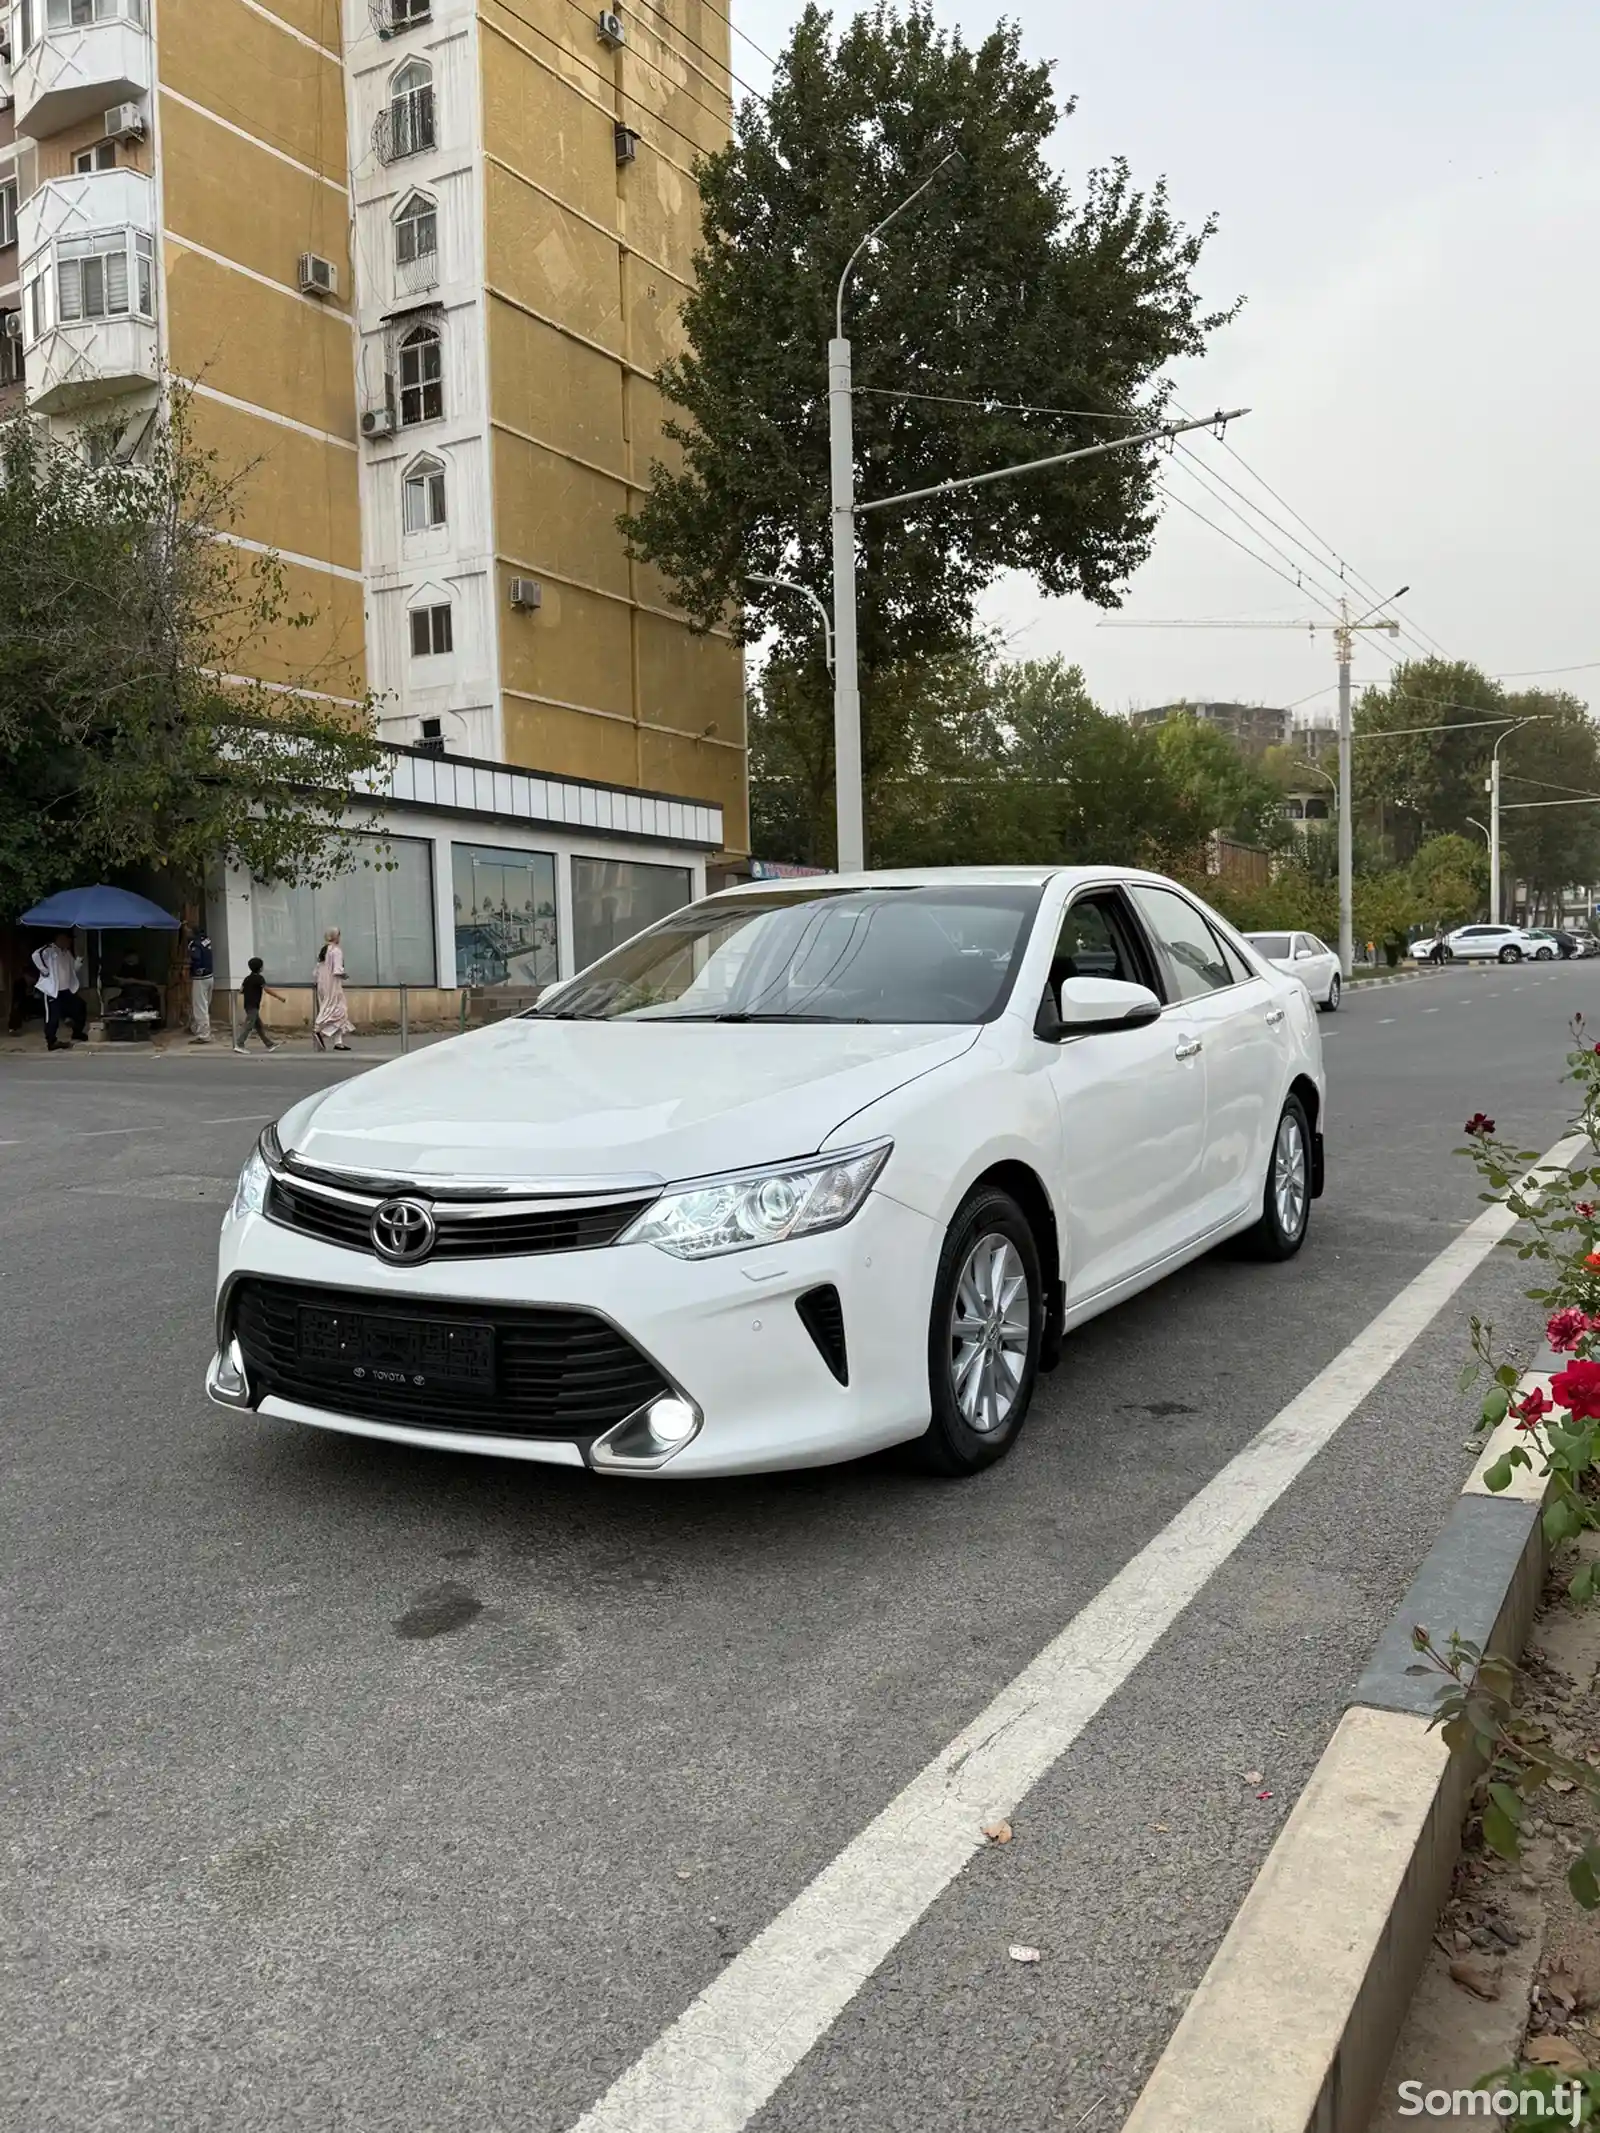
(1238, 1019)
(1133, 1112)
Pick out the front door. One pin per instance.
(1132, 1106)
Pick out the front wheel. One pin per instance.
(1511, 955)
(1286, 1201)
(1330, 1006)
(1544, 955)
(983, 1336)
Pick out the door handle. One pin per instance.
(1275, 1014)
(1188, 1050)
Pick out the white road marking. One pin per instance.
(239, 1118)
(729, 2051)
(99, 1133)
(1430, 1010)
(1382, 1019)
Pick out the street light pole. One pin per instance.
(1494, 817)
(849, 809)
(794, 585)
(1343, 640)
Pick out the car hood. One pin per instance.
(590, 1100)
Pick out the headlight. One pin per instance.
(760, 1206)
(250, 1194)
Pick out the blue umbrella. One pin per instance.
(99, 910)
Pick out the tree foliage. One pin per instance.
(999, 286)
(124, 740)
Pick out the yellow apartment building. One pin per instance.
(418, 262)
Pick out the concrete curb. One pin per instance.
(1294, 2024)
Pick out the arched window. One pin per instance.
(411, 109)
(424, 495)
(416, 232)
(421, 377)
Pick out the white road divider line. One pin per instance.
(715, 2067)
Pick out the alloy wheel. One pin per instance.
(1289, 1175)
(989, 1328)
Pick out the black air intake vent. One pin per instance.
(822, 1315)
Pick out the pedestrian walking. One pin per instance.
(202, 978)
(59, 975)
(250, 993)
(333, 1014)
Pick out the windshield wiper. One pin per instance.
(742, 1015)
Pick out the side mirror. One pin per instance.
(1304, 955)
(1093, 1007)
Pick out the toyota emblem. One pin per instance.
(403, 1230)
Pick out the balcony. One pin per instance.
(89, 290)
(85, 56)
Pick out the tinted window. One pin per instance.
(1090, 946)
(828, 955)
(1193, 956)
(1270, 944)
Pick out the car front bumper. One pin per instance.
(723, 1332)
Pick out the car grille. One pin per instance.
(555, 1227)
(557, 1373)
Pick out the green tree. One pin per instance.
(1224, 789)
(121, 604)
(1555, 758)
(1387, 906)
(1001, 288)
(1423, 783)
(1451, 878)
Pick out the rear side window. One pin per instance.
(1270, 945)
(1195, 960)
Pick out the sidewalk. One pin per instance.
(176, 1045)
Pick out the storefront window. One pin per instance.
(382, 904)
(613, 899)
(505, 916)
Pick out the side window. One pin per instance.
(1239, 971)
(1192, 953)
(1097, 941)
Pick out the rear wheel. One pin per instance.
(1330, 1006)
(1511, 955)
(983, 1336)
(1544, 955)
(1286, 1200)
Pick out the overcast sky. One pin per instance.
(1409, 199)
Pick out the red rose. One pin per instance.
(1531, 1409)
(1592, 1261)
(1478, 1126)
(1566, 1328)
(1585, 1208)
(1577, 1389)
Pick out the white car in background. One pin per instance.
(1303, 956)
(1493, 944)
(803, 1171)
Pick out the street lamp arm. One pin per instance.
(794, 585)
(877, 230)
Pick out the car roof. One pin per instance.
(945, 877)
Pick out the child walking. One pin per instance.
(250, 995)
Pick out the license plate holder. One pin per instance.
(420, 1354)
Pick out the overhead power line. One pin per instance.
(1254, 555)
(608, 81)
(1012, 407)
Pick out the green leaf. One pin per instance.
(1496, 1407)
(1561, 1521)
(1500, 1834)
(1498, 1476)
(1457, 1735)
(1508, 1800)
(1582, 1881)
(1506, 1375)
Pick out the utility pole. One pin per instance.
(1492, 788)
(849, 805)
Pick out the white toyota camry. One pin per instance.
(801, 1172)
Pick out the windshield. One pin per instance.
(1269, 944)
(825, 955)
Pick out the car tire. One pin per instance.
(1510, 955)
(1330, 1006)
(1544, 955)
(988, 1245)
(1285, 1205)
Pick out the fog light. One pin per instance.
(650, 1436)
(227, 1380)
(672, 1421)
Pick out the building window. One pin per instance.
(416, 235)
(421, 377)
(410, 115)
(505, 916)
(36, 307)
(424, 496)
(382, 904)
(82, 14)
(406, 14)
(103, 156)
(93, 279)
(613, 899)
(431, 632)
(8, 215)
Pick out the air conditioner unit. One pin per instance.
(627, 143)
(378, 422)
(10, 325)
(526, 593)
(124, 122)
(318, 277)
(609, 28)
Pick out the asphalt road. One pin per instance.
(353, 1787)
